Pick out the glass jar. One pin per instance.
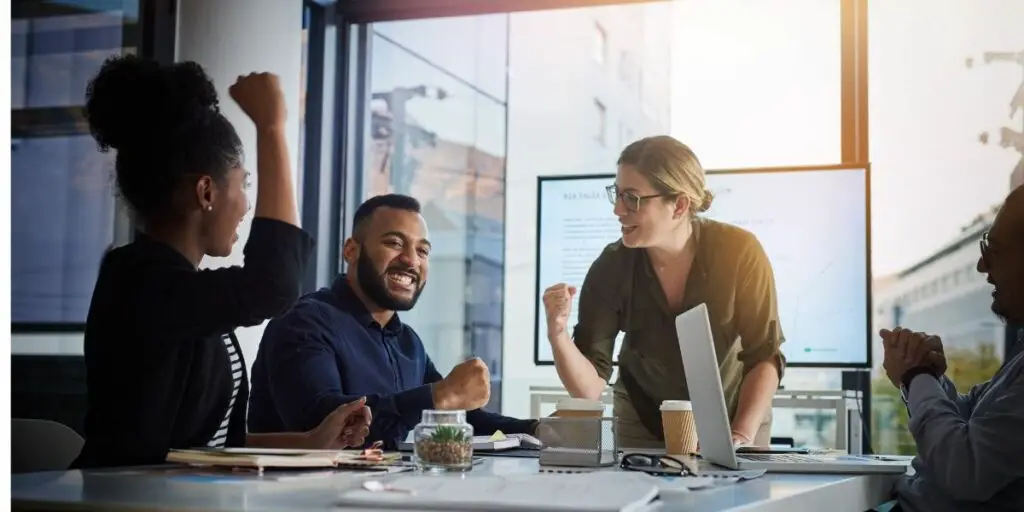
(443, 441)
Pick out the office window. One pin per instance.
(62, 216)
(437, 132)
(600, 44)
(735, 76)
(963, 59)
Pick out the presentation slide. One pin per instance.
(575, 223)
(811, 223)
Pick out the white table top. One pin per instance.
(179, 489)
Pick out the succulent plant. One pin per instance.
(444, 434)
(447, 447)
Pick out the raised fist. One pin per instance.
(557, 305)
(260, 97)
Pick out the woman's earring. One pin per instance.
(209, 207)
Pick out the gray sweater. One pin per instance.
(970, 446)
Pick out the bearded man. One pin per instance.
(346, 341)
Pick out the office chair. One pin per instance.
(42, 445)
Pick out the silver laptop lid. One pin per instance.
(704, 381)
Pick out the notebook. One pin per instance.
(480, 443)
(277, 458)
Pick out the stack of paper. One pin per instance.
(276, 458)
(480, 443)
(591, 492)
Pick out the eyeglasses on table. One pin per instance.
(657, 465)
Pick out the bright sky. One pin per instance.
(750, 94)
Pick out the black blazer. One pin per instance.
(157, 371)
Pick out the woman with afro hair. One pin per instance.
(164, 369)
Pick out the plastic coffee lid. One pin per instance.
(579, 404)
(676, 405)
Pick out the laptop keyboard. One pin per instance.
(779, 457)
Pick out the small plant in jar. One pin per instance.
(442, 446)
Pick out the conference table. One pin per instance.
(178, 489)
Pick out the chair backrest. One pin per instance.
(42, 445)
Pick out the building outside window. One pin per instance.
(437, 133)
(975, 52)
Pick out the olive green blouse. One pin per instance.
(730, 273)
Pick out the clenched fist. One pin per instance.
(467, 387)
(260, 97)
(557, 305)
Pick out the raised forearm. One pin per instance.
(756, 393)
(576, 372)
(275, 196)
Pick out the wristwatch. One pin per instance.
(909, 375)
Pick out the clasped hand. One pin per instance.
(906, 349)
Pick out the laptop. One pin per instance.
(712, 417)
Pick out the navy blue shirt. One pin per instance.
(327, 351)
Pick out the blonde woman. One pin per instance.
(669, 260)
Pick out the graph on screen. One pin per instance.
(812, 224)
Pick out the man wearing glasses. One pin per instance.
(970, 446)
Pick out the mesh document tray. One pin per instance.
(579, 442)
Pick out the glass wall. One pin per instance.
(750, 94)
(583, 84)
(466, 113)
(62, 217)
(941, 79)
(449, 125)
(755, 94)
(437, 108)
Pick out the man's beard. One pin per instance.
(1001, 309)
(375, 286)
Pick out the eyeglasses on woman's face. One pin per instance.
(631, 200)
